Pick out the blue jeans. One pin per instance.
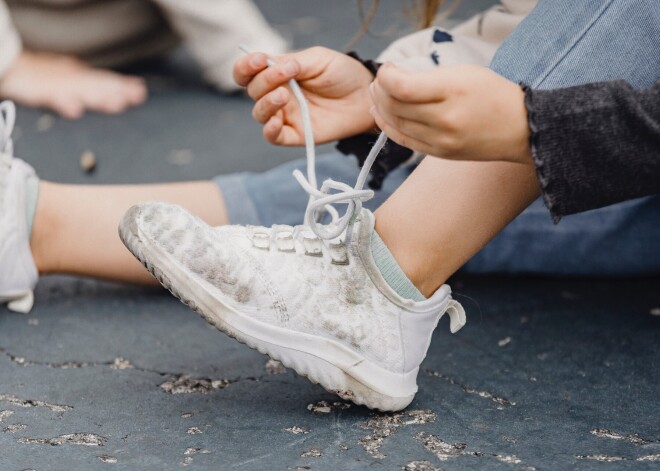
(561, 43)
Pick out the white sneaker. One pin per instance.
(319, 307)
(310, 296)
(18, 273)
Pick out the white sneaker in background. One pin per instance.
(18, 273)
(320, 307)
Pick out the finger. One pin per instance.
(279, 134)
(246, 67)
(413, 86)
(272, 78)
(269, 105)
(399, 137)
(388, 106)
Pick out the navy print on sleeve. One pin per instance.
(440, 36)
(435, 57)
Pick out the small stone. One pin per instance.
(13, 428)
(121, 364)
(84, 439)
(5, 414)
(320, 407)
(88, 161)
(274, 367)
(504, 342)
(107, 459)
(296, 430)
(191, 451)
(513, 459)
(313, 453)
(184, 384)
(45, 122)
(180, 157)
(194, 431)
(186, 415)
(420, 466)
(603, 458)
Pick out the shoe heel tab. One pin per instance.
(457, 317)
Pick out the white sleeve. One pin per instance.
(10, 41)
(472, 42)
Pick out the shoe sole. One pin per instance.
(353, 378)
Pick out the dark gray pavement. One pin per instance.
(547, 374)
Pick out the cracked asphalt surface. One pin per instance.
(547, 374)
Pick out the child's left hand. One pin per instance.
(458, 112)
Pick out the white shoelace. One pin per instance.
(7, 121)
(321, 200)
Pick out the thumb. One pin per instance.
(412, 86)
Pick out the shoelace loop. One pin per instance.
(322, 200)
(7, 121)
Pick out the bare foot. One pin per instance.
(69, 86)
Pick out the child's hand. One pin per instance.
(458, 112)
(68, 86)
(335, 85)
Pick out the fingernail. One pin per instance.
(290, 67)
(255, 60)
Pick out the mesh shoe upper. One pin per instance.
(17, 269)
(289, 278)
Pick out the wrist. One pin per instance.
(524, 122)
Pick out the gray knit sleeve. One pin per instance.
(595, 144)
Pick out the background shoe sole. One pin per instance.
(323, 361)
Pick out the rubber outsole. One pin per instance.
(314, 368)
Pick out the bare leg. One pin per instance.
(75, 226)
(446, 211)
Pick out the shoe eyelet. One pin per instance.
(260, 237)
(285, 243)
(339, 254)
(313, 246)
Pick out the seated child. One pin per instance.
(55, 54)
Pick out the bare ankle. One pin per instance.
(44, 229)
(414, 260)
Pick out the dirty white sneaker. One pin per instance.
(321, 308)
(310, 296)
(18, 273)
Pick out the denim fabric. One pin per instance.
(570, 42)
(275, 197)
(561, 43)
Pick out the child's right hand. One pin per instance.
(69, 86)
(335, 85)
